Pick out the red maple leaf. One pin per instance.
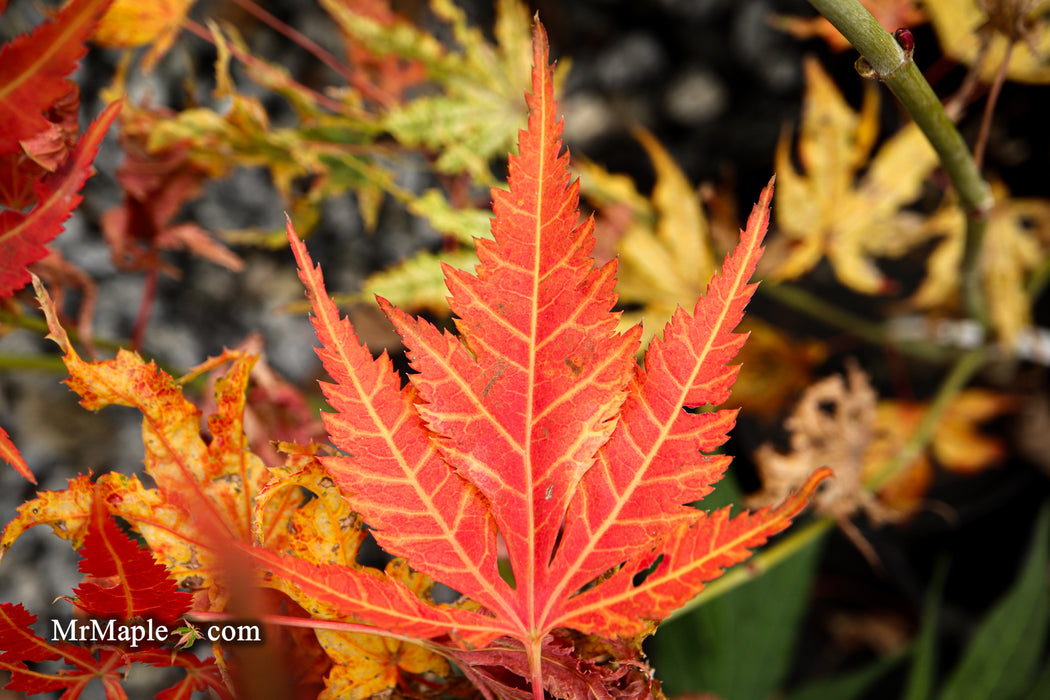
(33, 70)
(537, 426)
(107, 665)
(24, 235)
(123, 580)
(10, 454)
(41, 162)
(123, 583)
(21, 644)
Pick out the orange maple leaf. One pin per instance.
(536, 426)
(10, 454)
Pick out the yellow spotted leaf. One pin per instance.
(205, 489)
(1016, 243)
(366, 664)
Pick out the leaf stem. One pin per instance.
(249, 60)
(536, 669)
(889, 62)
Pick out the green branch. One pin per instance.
(884, 58)
(835, 316)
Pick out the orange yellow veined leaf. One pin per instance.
(535, 424)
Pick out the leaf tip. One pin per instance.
(815, 479)
(56, 332)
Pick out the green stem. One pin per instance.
(960, 375)
(875, 333)
(813, 305)
(44, 363)
(37, 325)
(893, 65)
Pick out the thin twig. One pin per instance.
(249, 60)
(989, 107)
(320, 53)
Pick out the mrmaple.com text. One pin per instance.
(97, 632)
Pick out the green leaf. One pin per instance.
(1041, 688)
(1003, 657)
(848, 685)
(715, 647)
(419, 282)
(923, 668)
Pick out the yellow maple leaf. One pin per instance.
(831, 209)
(1016, 242)
(970, 34)
(203, 502)
(958, 445)
(133, 23)
(664, 245)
